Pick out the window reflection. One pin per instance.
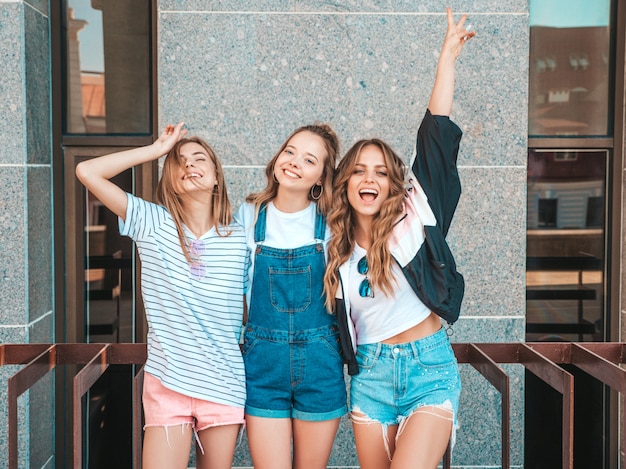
(108, 67)
(565, 245)
(109, 307)
(569, 68)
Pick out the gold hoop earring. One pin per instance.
(316, 196)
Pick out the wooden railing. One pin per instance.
(600, 360)
(39, 359)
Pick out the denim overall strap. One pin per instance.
(320, 225)
(259, 226)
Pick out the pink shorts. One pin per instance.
(163, 407)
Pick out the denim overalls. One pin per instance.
(291, 344)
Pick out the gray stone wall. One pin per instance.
(26, 282)
(245, 74)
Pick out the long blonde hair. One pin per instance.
(342, 222)
(331, 143)
(166, 195)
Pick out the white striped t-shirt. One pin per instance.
(194, 312)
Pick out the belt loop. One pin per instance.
(379, 350)
(414, 349)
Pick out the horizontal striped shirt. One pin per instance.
(194, 310)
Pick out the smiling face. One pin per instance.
(301, 163)
(368, 185)
(196, 170)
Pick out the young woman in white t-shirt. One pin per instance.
(391, 279)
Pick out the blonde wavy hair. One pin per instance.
(342, 222)
(331, 144)
(166, 193)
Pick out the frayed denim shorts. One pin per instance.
(395, 380)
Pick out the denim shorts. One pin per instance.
(396, 380)
(297, 375)
(164, 407)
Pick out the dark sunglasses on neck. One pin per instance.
(365, 289)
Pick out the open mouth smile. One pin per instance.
(368, 195)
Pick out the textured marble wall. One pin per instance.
(26, 282)
(244, 75)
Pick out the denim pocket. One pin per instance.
(248, 344)
(439, 355)
(332, 342)
(366, 358)
(290, 289)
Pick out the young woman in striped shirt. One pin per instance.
(193, 261)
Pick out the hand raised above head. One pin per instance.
(456, 35)
(443, 90)
(170, 135)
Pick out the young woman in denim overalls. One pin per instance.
(296, 392)
(391, 279)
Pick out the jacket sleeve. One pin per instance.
(425, 257)
(434, 166)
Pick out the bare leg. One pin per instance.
(423, 439)
(166, 448)
(218, 444)
(373, 447)
(313, 442)
(270, 442)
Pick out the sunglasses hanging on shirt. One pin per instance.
(197, 269)
(365, 289)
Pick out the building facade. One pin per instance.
(243, 75)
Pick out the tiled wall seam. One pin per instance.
(29, 324)
(333, 13)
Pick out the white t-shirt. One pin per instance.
(381, 317)
(194, 313)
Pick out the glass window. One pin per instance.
(565, 294)
(569, 68)
(108, 67)
(566, 244)
(109, 299)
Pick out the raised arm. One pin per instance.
(96, 173)
(443, 90)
